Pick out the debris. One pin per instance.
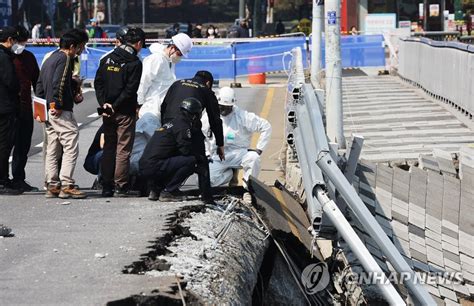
(100, 255)
(4, 231)
(65, 203)
(55, 250)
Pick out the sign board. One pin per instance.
(404, 24)
(332, 18)
(434, 10)
(5, 12)
(377, 23)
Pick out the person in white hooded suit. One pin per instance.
(238, 126)
(157, 76)
(159, 72)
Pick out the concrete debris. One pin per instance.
(100, 255)
(65, 203)
(4, 231)
(221, 273)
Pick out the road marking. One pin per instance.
(286, 211)
(40, 145)
(79, 124)
(10, 159)
(94, 115)
(84, 90)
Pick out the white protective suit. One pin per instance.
(157, 76)
(238, 128)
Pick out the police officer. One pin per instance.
(199, 87)
(169, 157)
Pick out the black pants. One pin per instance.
(7, 128)
(22, 143)
(202, 166)
(170, 174)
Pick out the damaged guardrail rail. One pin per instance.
(322, 177)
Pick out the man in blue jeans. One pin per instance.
(94, 156)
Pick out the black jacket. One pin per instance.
(55, 81)
(182, 89)
(174, 138)
(9, 84)
(117, 80)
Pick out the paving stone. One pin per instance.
(445, 292)
(468, 276)
(466, 243)
(448, 302)
(402, 246)
(420, 257)
(451, 199)
(428, 163)
(466, 267)
(433, 243)
(467, 259)
(462, 289)
(450, 240)
(433, 290)
(452, 256)
(450, 233)
(417, 209)
(436, 268)
(471, 288)
(400, 217)
(400, 191)
(445, 162)
(419, 231)
(416, 239)
(451, 265)
(400, 204)
(434, 255)
(449, 247)
(433, 235)
(383, 209)
(418, 186)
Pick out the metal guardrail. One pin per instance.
(442, 69)
(439, 35)
(322, 177)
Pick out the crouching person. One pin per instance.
(169, 157)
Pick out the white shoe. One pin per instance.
(247, 198)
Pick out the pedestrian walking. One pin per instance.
(9, 104)
(55, 84)
(116, 83)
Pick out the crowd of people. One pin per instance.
(153, 135)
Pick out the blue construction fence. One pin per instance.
(228, 60)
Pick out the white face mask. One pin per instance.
(175, 58)
(210, 31)
(18, 49)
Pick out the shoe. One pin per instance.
(125, 193)
(153, 196)
(247, 198)
(8, 189)
(107, 192)
(52, 191)
(25, 186)
(209, 200)
(174, 196)
(73, 192)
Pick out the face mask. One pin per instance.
(211, 31)
(175, 58)
(18, 49)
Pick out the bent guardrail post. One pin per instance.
(352, 155)
(358, 247)
(330, 169)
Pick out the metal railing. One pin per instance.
(322, 177)
(442, 69)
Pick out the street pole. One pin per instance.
(143, 14)
(74, 14)
(316, 43)
(109, 11)
(241, 9)
(334, 115)
(96, 3)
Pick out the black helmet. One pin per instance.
(121, 33)
(192, 106)
(134, 35)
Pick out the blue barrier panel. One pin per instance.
(267, 55)
(360, 51)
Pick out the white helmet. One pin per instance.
(183, 42)
(226, 96)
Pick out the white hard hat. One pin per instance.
(226, 96)
(183, 42)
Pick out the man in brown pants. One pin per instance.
(116, 84)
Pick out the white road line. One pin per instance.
(79, 124)
(94, 115)
(84, 90)
(40, 145)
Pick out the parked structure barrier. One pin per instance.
(322, 177)
(442, 69)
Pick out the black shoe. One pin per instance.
(107, 192)
(208, 200)
(22, 185)
(7, 190)
(153, 196)
(125, 193)
(96, 185)
(175, 196)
